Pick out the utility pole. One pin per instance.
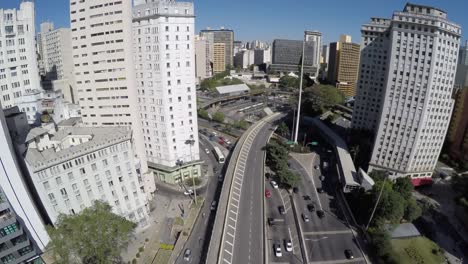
(298, 117)
(377, 202)
(191, 142)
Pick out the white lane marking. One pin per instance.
(234, 205)
(237, 200)
(290, 237)
(232, 218)
(232, 227)
(225, 260)
(232, 211)
(229, 243)
(230, 234)
(227, 251)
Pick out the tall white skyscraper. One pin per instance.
(404, 91)
(101, 32)
(19, 75)
(165, 68)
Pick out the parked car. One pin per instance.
(215, 133)
(274, 184)
(207, 151)
(278, 252)
(305, 217)
(306, 197)
(322, 178)
(316, 167)
(320, 190)
(295, 190)
(349, 254)
(188, 192)
(187, 254)
(213, 205)
(320, 214)
(267, 193)
(311, 207)
(288, 245)
(281, 210)
(228, 141)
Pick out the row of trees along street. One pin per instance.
(277, 160)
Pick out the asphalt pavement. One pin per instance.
(325, 238)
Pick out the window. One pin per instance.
(46, 185)
(63, 191)
(58, 180)
(104, 162)
(70, 176)
(94, 167)
(82, 171)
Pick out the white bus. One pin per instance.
(218, 154)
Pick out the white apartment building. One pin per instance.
(19, 210)
(101, 36)
(315, 38)
(19, 75)
(404, 92)
(72, 167)
(244, 58)
(56, 57)
(202, 58)
(165, 70)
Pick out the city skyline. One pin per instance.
(331, 21)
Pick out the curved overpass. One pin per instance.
(238, 231)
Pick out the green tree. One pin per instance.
(94, 236)
(289, 82)
(282, 129)
(412, 210)
(203, 113)
(241, 124)
(404, 187)
(218, 117)
(277, 155)
(287, 177)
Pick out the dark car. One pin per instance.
(295, 190)
(310, 207)
(306, 197)
(281, 210)
(320, 190)
(320, 214)
(349, 254)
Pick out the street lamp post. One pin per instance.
(378, 200)
(300, 92)
(191, 142)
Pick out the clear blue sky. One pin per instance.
(270, 19)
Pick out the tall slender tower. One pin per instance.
(164, 49)
(101, 32)
(19, 74)
(405, 87)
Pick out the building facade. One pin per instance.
(419, 49)
(104, 68)
(202, 58)
(165, 68)
(244, 59)
(72, 167)
(219, 56)
(19, 74)
(344, 65)
(221, 36)
(287, 54)
(23, 235)
(56, 58)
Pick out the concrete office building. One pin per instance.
(221, 36)
(244, 59)
(165, 68)
(262, 56)
(23, 235)
(406, 80)
(457, 135)
(238, 46)
(202, 58)
(343, 66)
(56, 58)
(105, 70)
(72, 167)
(19, 75)
(219, 56)
(287, 54)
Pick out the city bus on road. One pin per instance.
(219, 155)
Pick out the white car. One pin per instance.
(278, 252)
(288, 244)
(227, 141)
(188, 192)
(274, 184)
(207, 151)
(215, 133)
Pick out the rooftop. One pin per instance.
(35, 132)
(102, 137)
(232, 88)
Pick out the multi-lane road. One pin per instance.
(327, 238)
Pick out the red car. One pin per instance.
(221, 138)
(267, 193)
